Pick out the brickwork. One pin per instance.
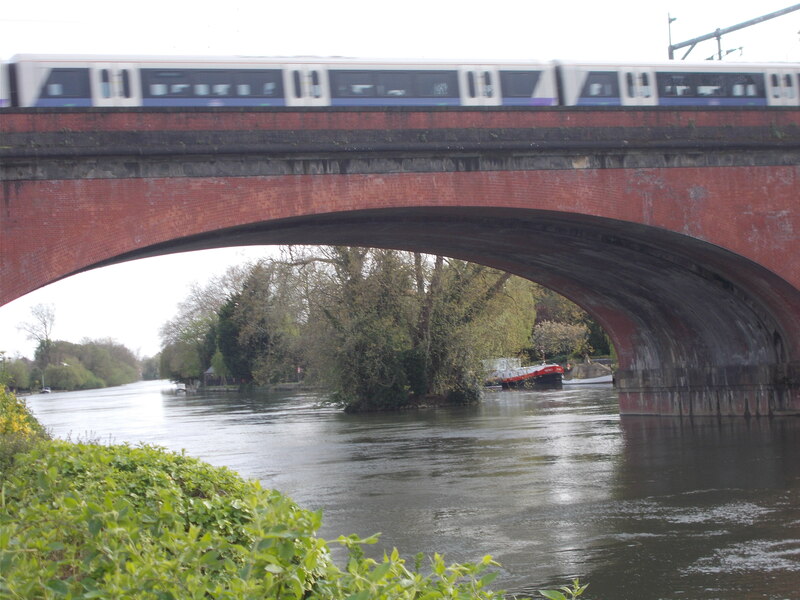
(675, 229)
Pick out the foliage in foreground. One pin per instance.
(566, 592)
(90, 521)
(19, 429)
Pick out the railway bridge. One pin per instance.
(677, 230)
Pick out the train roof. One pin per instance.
(341, 60)
(232, 59)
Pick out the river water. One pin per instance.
(553, 484)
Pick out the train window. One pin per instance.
(316, 88)
(519, 84)
(629, 85)
(787, 85)
(67, 83)
(776, 85)
(488, 88)
(646, 92)
(212, 83)
(369, 84)
(436, 84)
(471, 84)
(601, 84)
(741, 86)
(705, 85)
(394, 83)
(352, 84)
(126, 83)
(156, 82)
(710, 84)
(105, 83)
(261, 83)
(298, 90)
(674, 84)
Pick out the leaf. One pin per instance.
(94, 526)
(58, 586)
(275, 569)
(380, 572)
(553, 594)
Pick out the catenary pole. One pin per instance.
(720, 32)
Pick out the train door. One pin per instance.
(306, 85)
(782, 88)
(638, 87)
(480, 86)
(115, 84)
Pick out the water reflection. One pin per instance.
(553, 484)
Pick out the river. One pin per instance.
(553, 484)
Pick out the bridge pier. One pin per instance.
(749, 391)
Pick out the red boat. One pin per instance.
(515, 376)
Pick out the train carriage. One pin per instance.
(679, 84)
(119, 81)
(43, 80)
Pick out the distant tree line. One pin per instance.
(67, 366)
(379, 328)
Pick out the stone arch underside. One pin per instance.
(698, 329)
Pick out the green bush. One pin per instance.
(19, 429)
(90, 521)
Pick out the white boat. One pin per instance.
(589, 380)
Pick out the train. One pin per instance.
(163, 81)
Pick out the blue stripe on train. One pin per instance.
(213, 102)
(599, 102)
(395, 102)
(711, 101)
(529, 102)
(62, 102)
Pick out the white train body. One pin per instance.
(151, 81)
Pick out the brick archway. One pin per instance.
(673, 229)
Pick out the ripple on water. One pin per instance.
(755, 555)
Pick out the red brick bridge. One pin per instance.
(678, 230)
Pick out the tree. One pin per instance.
(39, 330)
(17, 373)
(392, 327)
(41, 327)
(189, 339)
(552, 307)
(552, 337)
(365, 311)
(236, 360)
(150, 367)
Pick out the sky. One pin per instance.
(130, 302)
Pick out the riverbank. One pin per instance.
(90, 521)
